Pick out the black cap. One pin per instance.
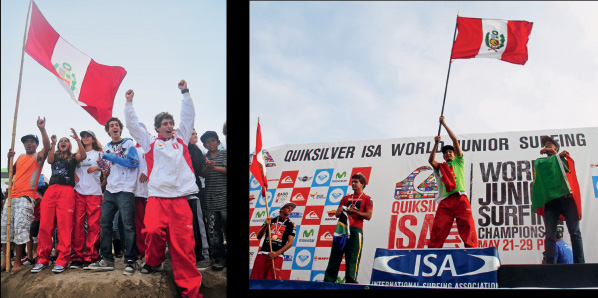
(33, 137)
(209, 134)
(546, 139)
(447, 147)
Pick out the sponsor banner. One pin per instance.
(499, 182)
(436, 268)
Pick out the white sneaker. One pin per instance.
(38, 268)
(58, 269)
(130, 268)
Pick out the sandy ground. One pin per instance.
(80, 283)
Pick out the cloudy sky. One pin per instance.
(157, 42)
(341, 71)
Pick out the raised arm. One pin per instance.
(52, 148)
(82, 154)
(432, 157)
(43, 154)
(453, 137)
(185, 128)
(137, 131)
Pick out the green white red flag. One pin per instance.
(552, 181)
(258, 163)
(491, 38)
(91, 85)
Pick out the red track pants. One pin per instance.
(57, 209)
(139, 225)
(262, 267)
(455, 206)
(171, 220)
(90, 207)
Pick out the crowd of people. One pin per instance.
(132, 198)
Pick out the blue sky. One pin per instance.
(157, 42)
(358, 70)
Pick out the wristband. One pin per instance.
(184, 90)
(77, 139)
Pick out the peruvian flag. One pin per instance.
(489, 38)
(258, 164)
(91, 85)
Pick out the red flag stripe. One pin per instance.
(41, 39)
(516, 50)
(469, 39)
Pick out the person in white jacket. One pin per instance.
(170, 179)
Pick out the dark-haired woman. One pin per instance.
(58, 206)
(88, 203)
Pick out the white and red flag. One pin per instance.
(91, 85)
(258, 163)
(490, 38)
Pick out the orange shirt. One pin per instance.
(26, 177)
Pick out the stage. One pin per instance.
(561, 276)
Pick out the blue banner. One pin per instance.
(436, 268)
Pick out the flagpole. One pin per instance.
(12, 147)
(447, 76)
(264, 190)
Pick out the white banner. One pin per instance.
(401, 184)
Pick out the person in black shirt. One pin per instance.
(198, 161)
(283, 234)
(58, 206)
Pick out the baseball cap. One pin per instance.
(209, 134)
(89, 132)
(289, 204)
(30, 136)
(546, 139)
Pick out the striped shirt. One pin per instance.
(215, 191)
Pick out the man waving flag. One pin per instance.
(490, 38)
(91, 85)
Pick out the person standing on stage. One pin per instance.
(355, 208)
(283, 234)
(556, 195)
(452, 200)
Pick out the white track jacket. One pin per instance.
(169, 170)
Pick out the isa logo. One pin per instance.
(595, 183)
(336, 194)
(304, 257)
(253, 184)
(322, 177)
(261, 202)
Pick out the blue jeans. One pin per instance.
(552, 210)
(215, 224)
(124, 202)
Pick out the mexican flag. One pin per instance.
(554, 177)
(490, 38)
(91, 85)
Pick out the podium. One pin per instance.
(447, 268)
